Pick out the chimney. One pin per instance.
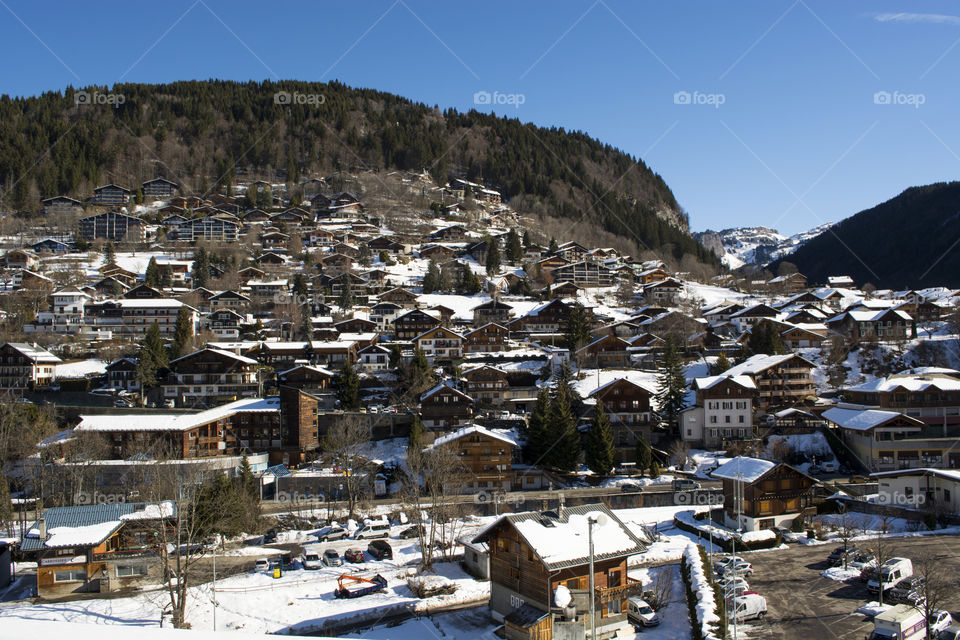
(560, 507)
(42, 528)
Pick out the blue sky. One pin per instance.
(797, 139)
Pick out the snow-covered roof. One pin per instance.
(863, 419)
(910, 383)
(220, 352)
(173, 422)
(710, 381)
(560, 540)
(474, 428)
(760, 363)
(34, 352)
(742, 467)
(89, 525)
(951, 474)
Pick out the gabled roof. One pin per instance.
(89, 525)
(743, 468)
(174, 422)
(560, 538)
(472, 429)
(220, 352)
(620, 381)
(444, 387)
(709, 382)
(759, 363)
(34, 352)
(865, 419)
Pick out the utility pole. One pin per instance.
(214, 586)
(592, 520)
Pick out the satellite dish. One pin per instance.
(599, 518)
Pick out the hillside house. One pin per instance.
(774, 495)
(722, 413)
(485, 455)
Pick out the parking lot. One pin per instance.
(803, 604)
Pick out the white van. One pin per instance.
(749, 606)
(891, 572)
(371, 530)
(641, 614)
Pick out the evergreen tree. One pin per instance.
(526, 238)
(765, 338)
(152, 276)
(395, 355)
(417, 433)
(348, 388)
(365, 256)
(552, 249)
(182, 333)
(599, 450)
(643, 455)
(153, 346)
(248, 481)
(537, 441)
(431, 279)
(265, 198)
(6, 507)
(200, 271)
(166, 279)
(514, 249)
(493, 257)
(655, 469)
(671, 386)
(109, 254)
(345, 300)
(578, 328)
(300, 288)
(721, 365)
(564, 452)
(306, 322)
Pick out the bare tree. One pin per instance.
(937, 582)
(848, 527)
(882, 550)
(660, 591)
(344, 445)
(434, 475)
(175, 492)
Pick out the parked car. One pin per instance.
(640, 614)
(838, 555)
(413, 532)
(830, 466)
(631, 487)
(371, 530)
(940, 621)
(906, 588)
(738, 567)
(858, 479)
(270, 536)
(749, 606)
(380, 549)
(718, 563)
(331, 558)
(685, 484)
(789, 536)
(727, 582)
(353, 555)
(891, 572)
(862, 560)
(311, 560)
(332, 532)
(950, 633)
(262, 564)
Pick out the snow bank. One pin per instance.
(873, 608)
(706, 606)
(840, 574)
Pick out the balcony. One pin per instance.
(581, 597)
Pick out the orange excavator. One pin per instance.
(349, 586)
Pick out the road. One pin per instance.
(803, 604)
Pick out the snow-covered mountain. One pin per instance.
(754, 245)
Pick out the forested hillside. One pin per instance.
(909, 241)
(208, 134)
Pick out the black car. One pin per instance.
(836, 557)
(415, 531)
(270, 536)
(380, 550)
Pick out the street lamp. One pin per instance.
(600, 519)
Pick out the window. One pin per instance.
(70, 575)
(129, 570)
(613, 578)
